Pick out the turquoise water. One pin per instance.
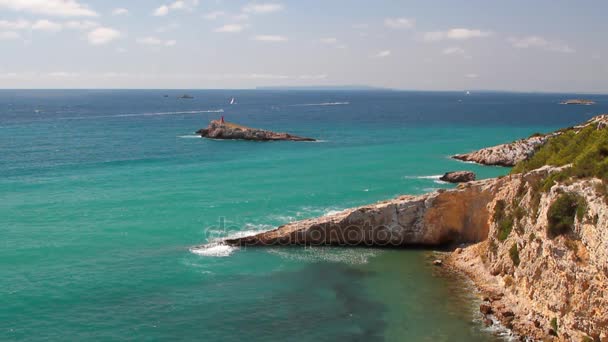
(104, 193)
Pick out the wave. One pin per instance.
(436, 177)
(141, 114)
(189, 136)
(216, 246)
(321, 104)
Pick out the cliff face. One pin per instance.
(542, 284)
(226, 130)
(439, 218)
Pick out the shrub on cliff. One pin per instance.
(514, 254)
(562, 212)
(503, 219)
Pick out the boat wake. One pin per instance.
(321, 104)
(142, 114)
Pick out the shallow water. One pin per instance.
(104, 193)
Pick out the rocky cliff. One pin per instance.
(512, 153)
(434, 219)
(227, 130)
(505, 154)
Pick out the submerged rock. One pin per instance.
(458, 177)
(226, 130)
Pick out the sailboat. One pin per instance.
(232, 101)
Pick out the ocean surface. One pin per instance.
(104, 195)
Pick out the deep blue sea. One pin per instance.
(103, 194)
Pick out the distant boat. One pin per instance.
(186, 96)
(232, 101)
(468, 92)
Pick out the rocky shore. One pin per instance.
(230, 131)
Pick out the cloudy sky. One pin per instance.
(540, 45)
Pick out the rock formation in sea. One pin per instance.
(458, 177)
(535, 242)
(226, 130)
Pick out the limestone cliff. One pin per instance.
(438, 218)
(537, 281)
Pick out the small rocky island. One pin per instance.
(220, 129)
(581, 102)
(458, 177)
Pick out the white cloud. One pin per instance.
(230, 28)
(383, 54)
(313, 77)
(103, 35)
(266, 76)
(471, 76)
(456, 34)
(120, 11)
(155, 41)
(46, 25)
(81, 25)
(262, 8)
(240, 17)
(213, 15)
(539, 43)
(453, 51)
(9, 35)
(14, 25)
(161, 11)
(62, 74)
(329, 40)
(177, 5)
(399, 23)
(60, 8)
(270, 38)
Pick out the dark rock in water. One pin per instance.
(485, 308)
(227, 130)
(458, 177)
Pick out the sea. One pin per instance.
(107, 195)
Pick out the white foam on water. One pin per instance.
(332, 212)
(351, 256)
(189, 136)
(433, 177)
(321, 104)
(217, 250)
(437, 181)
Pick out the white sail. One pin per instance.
(232, 101)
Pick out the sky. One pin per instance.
(510, 45)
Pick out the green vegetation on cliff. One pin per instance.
(562, 212)
(586, 149)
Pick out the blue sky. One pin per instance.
(514, 45)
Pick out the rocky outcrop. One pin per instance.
(578, 102)
(458, 177)
(505, 154)
(434, 219)
(520, 150)
(227, 130)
